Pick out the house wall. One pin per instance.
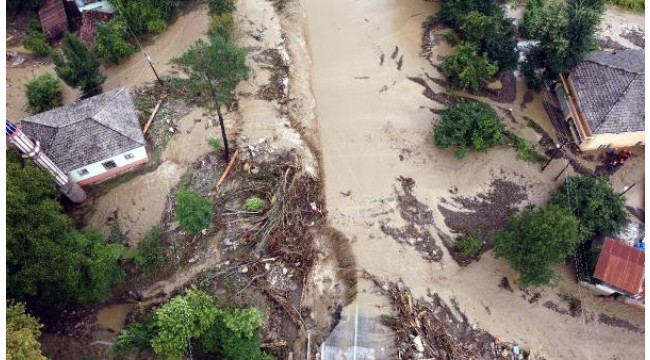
(97, 172)
(102, 6)
(613, 140)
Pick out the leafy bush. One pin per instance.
(193, 212)
(633, 5)
(156, 26)
(37, 43)
(179, 320)
(532, 21)
(525, 149)
(149, 251)
(254, 204)
(78, 67)
(594, 202)
(133, 338)
(23, 332)
(468, 125)
(466, 69)
(214, 143)
(223, 25)
(43, 93)
(534, 240)
(146, 15)
(110, 42)
(469, 246)
(219, 7)
(235, 335)
(529, 70)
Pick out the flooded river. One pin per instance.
(375, 126)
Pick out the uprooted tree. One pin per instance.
(534, 240)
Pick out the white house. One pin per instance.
(92, 139)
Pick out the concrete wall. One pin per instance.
(613, 140)
(96, 170)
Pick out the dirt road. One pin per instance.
(375, 126)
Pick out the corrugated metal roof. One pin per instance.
(53, 18)
(622, 266)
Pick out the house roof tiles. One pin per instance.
(622, 265)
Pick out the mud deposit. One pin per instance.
(417, 216)
(485, 212)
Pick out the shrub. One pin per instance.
(254, 204)
(466, 69)
(468, 125)
(219, 7)
(110, 42)
(451, 37)
(133, 338)
(534, 240)
(594, 202)
(37, 43)
(23, 332)
(532, 21)
(193, 212)
(214, 143)
(156, 26)
(633, 5)
(43, 93)
(525, 149)
(235, 335)
(469, 246)
(149, 251)
(223, 25)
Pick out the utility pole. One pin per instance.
(557, 148)
(628, 188)
(215, 98)
(562, 172)
(162, 83)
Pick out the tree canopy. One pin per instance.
(78, 66)
(468, 125)
(534, 240)
(110, 42)
(23, 331)
(43, 93)
(466, 68)
(49, 263)
(594, 202)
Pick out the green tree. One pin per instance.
(23, 331)
(468, 125)
(180, 320)
(466, 69)
(532, 21)
(43, 93)
(594, 202)
(219, 7)
(235, 335)
(568, 31)
(110, 42)
(215, 68)
(149, 251)
(49, 264)
(534, 240)
(78, 67)
(37, 43)
(193, 211)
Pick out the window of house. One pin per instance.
(129, 156)
(82, 172)
(109, 165)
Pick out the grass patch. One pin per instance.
(254, 204)
(525, 149)
(214, 143)
(469, 246)
(637, 6)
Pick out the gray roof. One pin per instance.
(610, 89)
(88, 130)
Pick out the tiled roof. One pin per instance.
(622, 266)
(53, 18)
(89, 21)
(87, 131)
(610, 87)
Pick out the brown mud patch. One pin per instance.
(507, 93)
(619, 323)
(417, 216)
(483, 213)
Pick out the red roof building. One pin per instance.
(54, 20)
(89, 21)
(622, 266)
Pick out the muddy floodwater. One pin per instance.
(375, 126)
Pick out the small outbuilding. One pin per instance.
(622, 269)
(92, 139)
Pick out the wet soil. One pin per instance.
(486, 212)
(508, 91)
(635, 35)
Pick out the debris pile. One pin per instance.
(431, 330)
